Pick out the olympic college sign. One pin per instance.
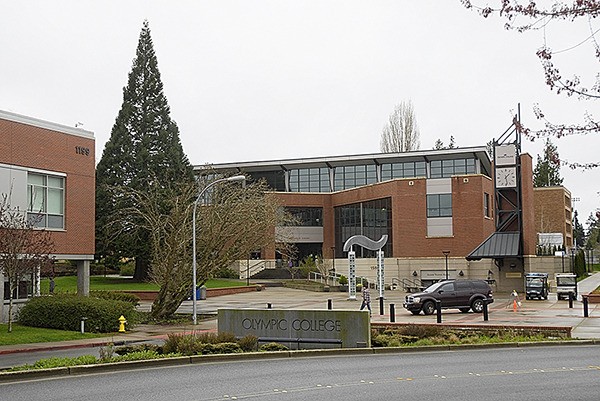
(352, 328)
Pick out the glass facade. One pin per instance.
(45, 201)
(448, 168)
(306, 216)
(310, 180)
(320, 179)
(371, 219)
(347, 177)
(274, 179)
(390, 171)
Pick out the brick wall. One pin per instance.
(409, 203)
(552, 212)
(34, 147)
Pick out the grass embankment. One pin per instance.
(112, 283)
(28, 335)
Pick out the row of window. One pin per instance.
(347, 177)
(438, 205)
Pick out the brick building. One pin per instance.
(426, 202)
(554, 214)
(48, 170)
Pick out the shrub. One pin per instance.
(273, 347)
(140, 356)
(248, 343)
(64, 312)
(343, 280)
(129, 349)
(221, 348)
(184, 344)
(116, 296)
(226, 272)
(57, 362)
(127, 269)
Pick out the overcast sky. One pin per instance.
(257, 80)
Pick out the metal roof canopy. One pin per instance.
(498, 245)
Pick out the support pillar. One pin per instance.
(2, 298)
(83, 278)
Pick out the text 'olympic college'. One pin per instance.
(296, 324)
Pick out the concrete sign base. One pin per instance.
(299, 329)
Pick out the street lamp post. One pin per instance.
(332, 272)
(194, 296)
(446, 253)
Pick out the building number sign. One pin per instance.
(80, 150)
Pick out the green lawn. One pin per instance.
(27, 335)
(112, 283)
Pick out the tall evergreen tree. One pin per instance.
(578, 230)
(547, 169)
(144, 149)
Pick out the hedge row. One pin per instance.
(116, 296)
(64, 312)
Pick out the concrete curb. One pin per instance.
(9, 377)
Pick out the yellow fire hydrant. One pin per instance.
(122, 322)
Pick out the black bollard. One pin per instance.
(268, 306)
(485, 310)
(381, 311)
(438, 308)
(585, 306)
(570, 300)
(392, 313)
(329, 304)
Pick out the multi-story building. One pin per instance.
(554, 216)
(435, 206)
(48, 171)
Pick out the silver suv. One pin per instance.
(463, 295)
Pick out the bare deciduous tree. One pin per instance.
(401, 133)
(23, 248)
(524, 16)
(235, 222)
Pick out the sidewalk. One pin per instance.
(531, 313)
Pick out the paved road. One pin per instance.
(549, 374)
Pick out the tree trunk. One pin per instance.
(142, 269)
(10, 307)
(166, 303)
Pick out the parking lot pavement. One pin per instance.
(550, 312)
(531, 312)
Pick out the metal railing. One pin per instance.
(411, 285)
(254, 268)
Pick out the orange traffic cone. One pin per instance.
(514, 305)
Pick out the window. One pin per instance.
(307, 216)
(347, 177)
(22, 291)
(486, 205)
(371, 219)
(402, 170)
(274, 179)
(45, 200)
(310, 180)
(448, 168)
(439, 205)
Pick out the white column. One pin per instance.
(351, 275)
(83, 278)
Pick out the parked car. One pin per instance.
(463, 295)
